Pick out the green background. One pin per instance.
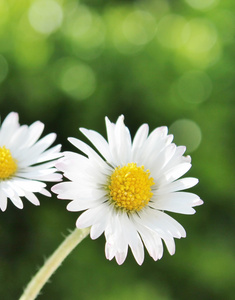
(70, 64)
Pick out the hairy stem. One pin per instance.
(52, 263)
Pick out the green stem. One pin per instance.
(53, 262)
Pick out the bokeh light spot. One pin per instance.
(85, 30)
(202, 4)
(172, 31)
(78, 20)
(75, 79)
(186, 132)
(203, 35)
(3, 68)
(4, 11)
(194, 86)
(139, 27)
(225, 24)
(45, 16)
(116, 20)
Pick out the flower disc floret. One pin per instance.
(8, 165)
(130, 187)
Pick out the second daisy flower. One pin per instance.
(125, 190)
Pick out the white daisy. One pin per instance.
(25, 162)
(126, 190)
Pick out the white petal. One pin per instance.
(11, 194)
(164, 229)
(159, 132)
(35, 131)
(110, 128)
(133, 239)
(181, 184)
(68, 188)
(121, 256)
(110, 251)
(82, 170)
(17, 139)
(32, 198)
(48, 177)
(177, 158)
(158, 161)
(174, 227)
(179, 202)
(170, 244)
(16, 200)
(83, 204)
(42, 175)
(90, 216)
(161, 223)
(74, 156)
(23, 140)
(97, 229)
(161, 226)
(31, 155)
(116, 242)
(152, 241)
(81, 189)
(153, 146)
(8, 127)
(172, 174)
(29, 185)
(41, 167)
(50, 154)
(122, 251)
(121, 240)
(45, 193)
(77, 167)
(6, 188)
(140, 137)
(3, 201)
(93, 156)
(18, 190)
(123, 141)
(99, 142)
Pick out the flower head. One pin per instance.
(25, 162)
(127, 187)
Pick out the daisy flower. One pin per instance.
(25, 162)
(126, 189)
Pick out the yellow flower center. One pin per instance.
(130, 187)
(8, 164)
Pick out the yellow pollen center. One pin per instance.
(8, 164)
(130, 187)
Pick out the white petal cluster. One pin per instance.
(88, 181)
(35, 162)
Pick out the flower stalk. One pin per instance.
(53, 262)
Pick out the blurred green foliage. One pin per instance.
(69, 63)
